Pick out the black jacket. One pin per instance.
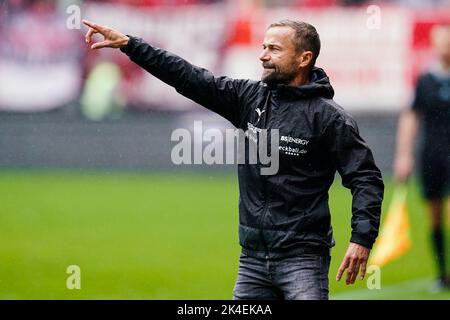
(286, 213)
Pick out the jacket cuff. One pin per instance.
(363, 240)
(130, 45)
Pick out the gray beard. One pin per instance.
(276, 77)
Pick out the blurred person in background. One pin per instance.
(431, 108)
(284, 218)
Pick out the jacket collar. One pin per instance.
(318, 86)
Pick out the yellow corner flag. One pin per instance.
(394, 239)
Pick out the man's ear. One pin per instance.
(305, 59)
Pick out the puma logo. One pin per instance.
(259, 112)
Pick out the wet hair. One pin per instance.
(306, 37)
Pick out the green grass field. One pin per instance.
(159, 236)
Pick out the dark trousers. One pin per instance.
(303, 277)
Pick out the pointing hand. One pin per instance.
(112, 38)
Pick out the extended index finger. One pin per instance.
(94, 26)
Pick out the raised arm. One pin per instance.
(222, 95)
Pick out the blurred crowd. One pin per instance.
(9, 8)
(45, 63)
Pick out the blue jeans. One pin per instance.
(303, 277)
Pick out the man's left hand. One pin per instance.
(356, 257)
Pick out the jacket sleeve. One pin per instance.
(219, 94)
(356, 165)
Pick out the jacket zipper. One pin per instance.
(266, 193)
(263, 216)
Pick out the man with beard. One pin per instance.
(284, 220)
